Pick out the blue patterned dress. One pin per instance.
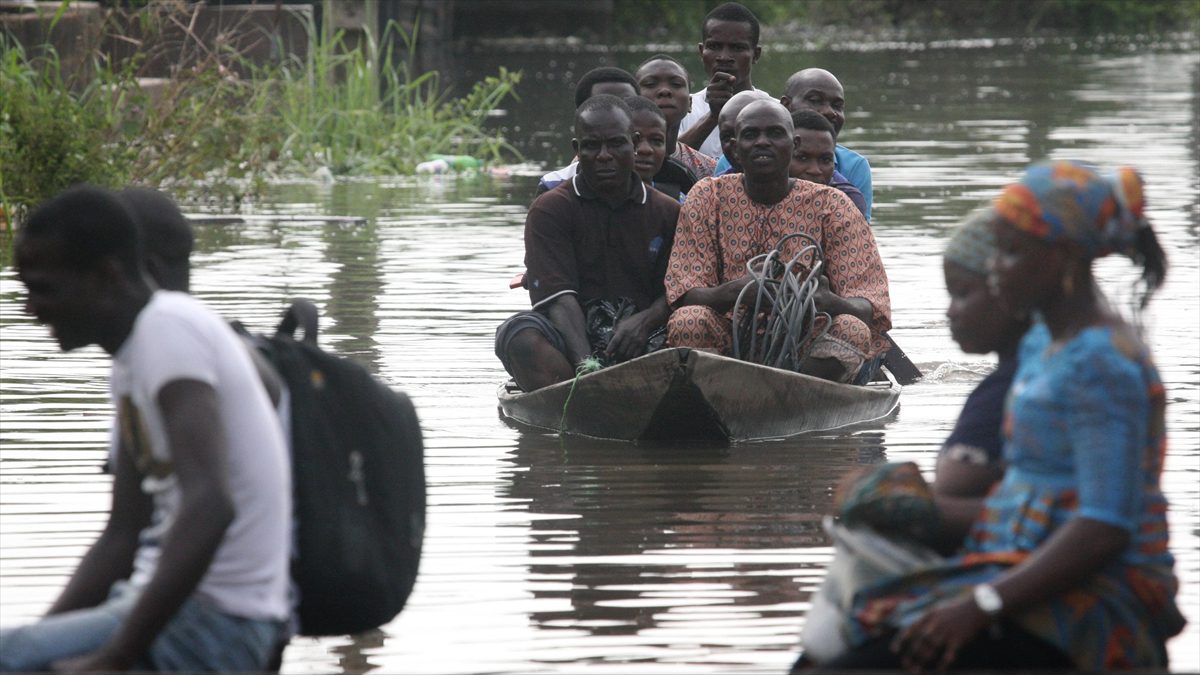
(1085, 438)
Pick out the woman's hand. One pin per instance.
(934, 640)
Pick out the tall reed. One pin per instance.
(363, 112)
(223, 126)
(52, 135)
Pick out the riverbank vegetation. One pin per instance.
(222, 126)
(961, 18)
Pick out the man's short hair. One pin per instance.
(583, 90)
(811, 119)
(90, 224)
(732, 11)
(165, 231)
(641, 103)
(665, 57)
(602, 102)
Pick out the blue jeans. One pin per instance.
(197, 638)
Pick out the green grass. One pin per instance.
(221, 129)
(376, 119)
(50, 136)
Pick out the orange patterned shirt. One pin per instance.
(720, 228)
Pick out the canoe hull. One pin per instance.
(684, 394)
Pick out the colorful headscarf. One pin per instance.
(1071, 202)
(973, 242)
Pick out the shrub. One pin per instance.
(50, 138)
(222, 126)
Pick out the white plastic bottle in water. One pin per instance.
(436, 166)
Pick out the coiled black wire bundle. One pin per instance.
(775, 318)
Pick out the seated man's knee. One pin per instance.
(526, 345)
(834, 358)
(525, 339)
(697, 326)
(534, 361)
(852, 330)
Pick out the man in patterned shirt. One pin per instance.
(730, 219)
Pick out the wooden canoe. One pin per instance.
(685, 394)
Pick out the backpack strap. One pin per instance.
(301, 314)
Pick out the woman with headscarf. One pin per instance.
(1067, 565)
(970, 461)
(892, 500)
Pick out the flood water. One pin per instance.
(548, 555)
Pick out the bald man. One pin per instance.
(725, 126)
(818, 90)
(728, 220)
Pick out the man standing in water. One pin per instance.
(602, 235)
(729, 219)
(190, 571)
(818, 90)
(729, 49)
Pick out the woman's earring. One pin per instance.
(1068, 281)
(1068, 285)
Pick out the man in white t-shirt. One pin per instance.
(190, 572)
(729, 50)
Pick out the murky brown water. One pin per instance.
(549, 556)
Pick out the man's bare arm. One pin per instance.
(110, 558)
(828, 301)
(699, 132)
(198, 453)
(720, 89)
(720, 298)
(567, 316)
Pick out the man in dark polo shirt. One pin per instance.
(600, 236)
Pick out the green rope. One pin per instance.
(589, 365)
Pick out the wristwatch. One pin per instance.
(988, 600)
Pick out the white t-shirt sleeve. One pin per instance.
(699, 111)
(178, 352)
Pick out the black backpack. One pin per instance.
(358, 478)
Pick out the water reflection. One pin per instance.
(356, 286)
(632, 546)
(627, 529)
